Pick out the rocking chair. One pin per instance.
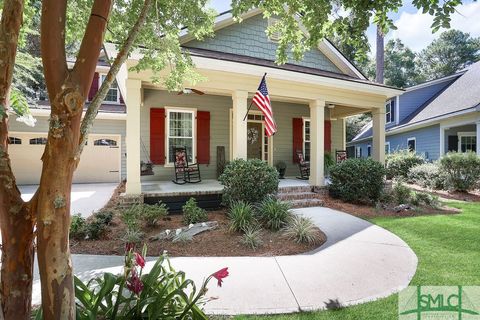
(185, 172)
(303, 165)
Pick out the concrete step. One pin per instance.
(306, 203)
(298, 196)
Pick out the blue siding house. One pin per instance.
(431, 118)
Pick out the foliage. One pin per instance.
(252, 237)
(427, 175)
(241, 216)
(451, 52)
(274, 213)
(399, 64)
(462, 170)
(329, 161)
(152, 214)
(131, 216)
(132, 236)
(104, 217)
(302, 230)
(248, 180)
(355, 124)
(77, 227)
(163, 293)
(357, 180)
(281, 165)
(401, 194)
(399, 163)
(192, 213)
(427, 199)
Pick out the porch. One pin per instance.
(460, 135)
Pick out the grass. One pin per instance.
(447, 247)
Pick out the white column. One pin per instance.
(478, 137)
(317, 145)
(133, 102)
(239, 127)
(378, 143)
(442, 141)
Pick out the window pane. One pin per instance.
(307, 151)
(181, 124)
(181, 142)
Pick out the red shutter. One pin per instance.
(297, 125)
(328, 136)
(157, 135)
(93, 87)
(203, 137)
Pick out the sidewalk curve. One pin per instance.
(359, 262)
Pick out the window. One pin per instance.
(390, 111)
(358, 152)
(105, 142)
(369, 151)
(306, 139)
(387, 147)
(112, 94)
(14, 140)
(411, 144)
(467, 141)
(39, 140)
(180, 132)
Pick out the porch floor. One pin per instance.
(208, 186)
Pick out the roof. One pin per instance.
(463, 94)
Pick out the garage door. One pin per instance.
(100, 161)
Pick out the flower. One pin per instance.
(220, 274)
(139, 260)
(135, 284)
(129, 246)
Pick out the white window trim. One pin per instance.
(389, 103)
(100, 76)
(369, 148)
(460, 135)
(358, 152)
(412, 139)
(305, 120)
(193, 111)
(387, 144)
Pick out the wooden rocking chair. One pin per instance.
(185, 172)
(303, 165)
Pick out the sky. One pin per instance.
(413, 26)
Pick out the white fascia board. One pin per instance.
(339, 59)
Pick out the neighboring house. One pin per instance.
(310, 100)
(103, 158)
(431, 118)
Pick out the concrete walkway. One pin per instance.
(358, 263)
(86, 197)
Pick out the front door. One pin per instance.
(254, 140)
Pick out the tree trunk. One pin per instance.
(380, 56)
(16, 219)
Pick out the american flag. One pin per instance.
(262, 101)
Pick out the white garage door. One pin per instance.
(100, 161)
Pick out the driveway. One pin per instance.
(86, 198)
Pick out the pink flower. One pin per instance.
(220, 274)
(139, 260)
(135, 284)
(129, 246)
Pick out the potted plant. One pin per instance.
(281, 168)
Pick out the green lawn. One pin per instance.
(448, 250)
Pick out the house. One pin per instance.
(431, 118)
(310, 100)
(103, 158)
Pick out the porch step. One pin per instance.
(289, 196)
(306, 203)
(296, 189)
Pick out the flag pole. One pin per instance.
(244, 118)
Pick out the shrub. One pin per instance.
(104, 217)
(152, 214)
(192, 213)
(94, 229)
(241, 216)
(402, 194)
(427, 199)
(252, 238)
(274, 213)
(329, 161)
(132, 236)
(357, 180)
(462, 170)
(427, 175)
(399, 163)
(77, 227)
(131, 216)
(302, 230)
(248, 180)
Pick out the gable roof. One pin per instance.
(334, 56)
(461, 95)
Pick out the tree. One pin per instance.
(380, 56)
(400, 68)
(49, 209)
(355, 124)
(451, 52)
